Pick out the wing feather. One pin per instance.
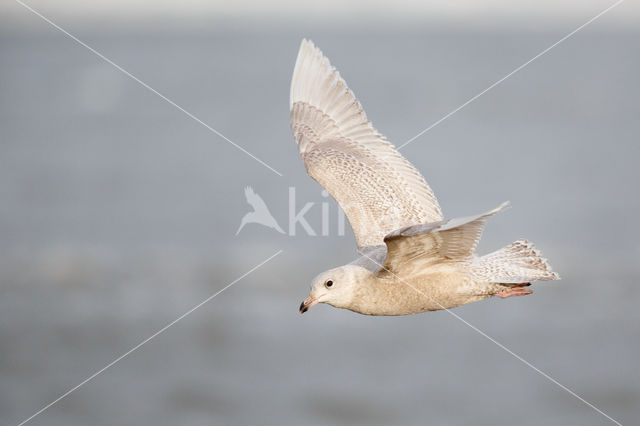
(378, 189)
(454, 239)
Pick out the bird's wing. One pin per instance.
(420, 245)
(371, 257)
(254, 200)
(378, 189)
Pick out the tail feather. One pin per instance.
(517, 263)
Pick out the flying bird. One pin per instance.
(260, 213)
(411, 259)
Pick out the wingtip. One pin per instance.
(307, 47)
(306, 51)
(502, 207)
(307, 43)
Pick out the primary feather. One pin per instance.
(378, 189)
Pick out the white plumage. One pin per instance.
(378, 189)
(411, 259)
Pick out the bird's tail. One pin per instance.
(517, 263)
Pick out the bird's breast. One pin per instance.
(435, 289)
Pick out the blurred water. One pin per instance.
(118, 214)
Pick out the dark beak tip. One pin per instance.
(303, 308)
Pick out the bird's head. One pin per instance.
(336, 287)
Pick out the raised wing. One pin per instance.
(378, 189)
(420, 245)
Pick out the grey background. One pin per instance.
(118, 214)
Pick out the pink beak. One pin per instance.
(307, 304)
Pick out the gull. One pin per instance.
(260, 213)
(411, 259)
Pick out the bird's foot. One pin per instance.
(519, 290)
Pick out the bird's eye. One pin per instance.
(329, 283)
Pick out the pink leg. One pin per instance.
(514, 291)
